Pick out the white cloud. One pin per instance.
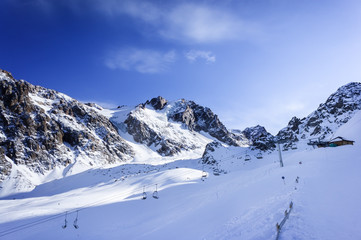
(202, 24)
(185, 22)
(194, 55)
(140, 60)
(143, 10)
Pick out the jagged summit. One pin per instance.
(336, 111)
(158, 103)
(156, 124)
(5, 75)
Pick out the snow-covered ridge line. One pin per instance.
(338, 109)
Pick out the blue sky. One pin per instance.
(251, 61)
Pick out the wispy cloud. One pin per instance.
(194, 55)
(140, 60)
(185, 22)
(142, 10)
(202, 24)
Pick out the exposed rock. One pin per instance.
(158, 103)
(193, 117)
(336, 111)
(145, 134)
(207, 157)
(42, 129)
(198, 118)
(260, 138)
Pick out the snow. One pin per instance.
(165, 128)
(245, 203)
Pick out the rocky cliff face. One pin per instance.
(336, 111)
(42, 129)
(207, 157)
(198, 118)
(149, 121)
(259, 138)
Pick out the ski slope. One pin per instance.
(245, 203)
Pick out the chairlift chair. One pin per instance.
(65, 222)
(75, 224)
(144, 196)
(259, 156)
(247, 158)
(155, 193)
(294, 146)
(204, 175)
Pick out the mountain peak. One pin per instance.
(260, 138)
(5, 75)
(336, 111)
(157, 103)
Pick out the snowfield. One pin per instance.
(244, 203)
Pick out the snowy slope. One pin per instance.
(245, 203)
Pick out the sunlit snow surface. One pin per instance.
(245, 203)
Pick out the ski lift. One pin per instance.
(259, 156)
(204, 175)
(144, 194)
(155, 193)
(75, 224)
(65, 222)
(247, 158)
(294, 146)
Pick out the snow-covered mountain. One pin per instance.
(338, 109)
(43, 131)
(79, 171)
(47, 135)
(172, 127)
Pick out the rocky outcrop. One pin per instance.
(152, 123)
(151, 133)
(336, 111)
(158, 103)
(41, 129)
(259, 138)
(207, 157)
(198, 118)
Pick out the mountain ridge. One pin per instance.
(47, 131)
(337, 110)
